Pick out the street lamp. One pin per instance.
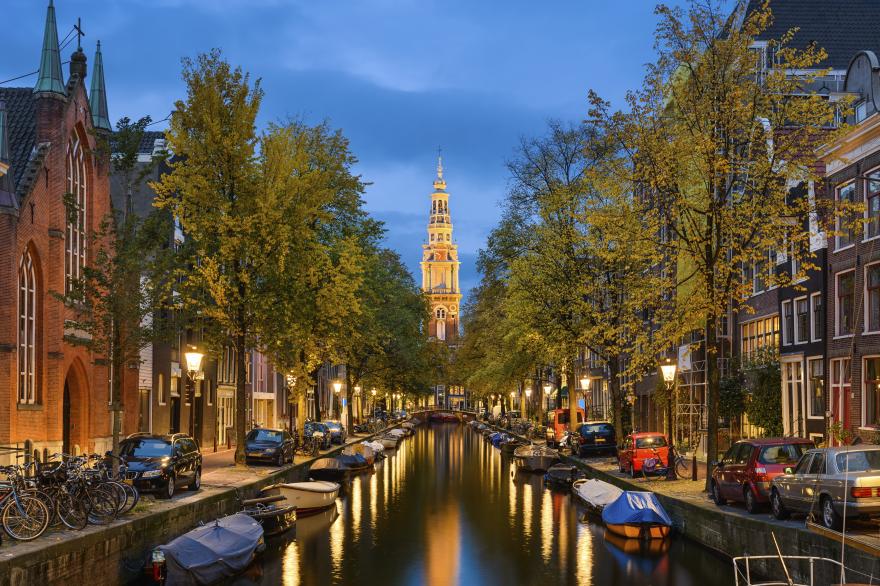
(547, 389)
(528, 393)
(667, 370)
(193, 367)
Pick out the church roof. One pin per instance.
(841, 27)
(21, 127)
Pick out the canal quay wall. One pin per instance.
(116, 553)
(734, 533)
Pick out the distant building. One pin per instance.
(440, 273)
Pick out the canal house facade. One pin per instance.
(54, 393)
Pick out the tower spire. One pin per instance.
(439, 183)
(49, 79)
(98, 94)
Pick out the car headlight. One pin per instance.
(151, 474)
(269, 450)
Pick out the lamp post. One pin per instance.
(193, 368)
(291, 383)
(360, 409)
(667, 370)
(372, 402)
(528, 392)
(548, 388)
(512, 397)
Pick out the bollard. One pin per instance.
(694, 467)
(28, 454)
(45, 454)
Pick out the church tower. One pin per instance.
(440, 266)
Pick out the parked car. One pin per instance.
(318, 427)
(269, 445)
(557, 423)
(638, 447)
(337, 431)
(746, 470)
(161, 463)
(823, 479)
(596, 437)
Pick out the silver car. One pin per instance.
(828, 483)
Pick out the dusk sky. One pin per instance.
(400, 77)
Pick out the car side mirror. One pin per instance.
(718, 464)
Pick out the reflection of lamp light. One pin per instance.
(337, 386)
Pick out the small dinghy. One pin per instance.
(595, 493)
(563, 475)
(275, 518)
(509, 447)
(377, 447)
(399, 433)
(331, 469)
(388, 441)
(637, 515)
(355, 462)
(408, 425)
(308, 497)
(210, 553)
(532, 458)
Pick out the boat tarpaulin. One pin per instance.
(209, 553)
(597, 493)
(633, 508)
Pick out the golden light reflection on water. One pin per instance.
(443, 536)
(584, 561)
(356, 507)
(374, 495)
(547, 530)
(290, 565)
(337, 543)
(527, 510)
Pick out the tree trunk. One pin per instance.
(241, 399)
(117, 383)
(572, 398)
(348, 399)
(616, 398)
(711, 395)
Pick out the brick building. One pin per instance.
(52, 392)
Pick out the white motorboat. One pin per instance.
(388, 441)
(308, 497)
(532, 458)
(595, 493)
(376, 446)
(360, 449)
(397, 432)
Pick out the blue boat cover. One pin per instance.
(209, 553)
(352, 460)
(633, 507)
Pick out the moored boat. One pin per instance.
(595, 493)
(637, 515)
(366, 452)
(331, 469)
(563, 475)
(308, 497)
(388, 441)
(509, 447)
(210, 553)
(377, 447)
(355, 462)
(275, 518)
(534, 458)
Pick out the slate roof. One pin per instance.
(841, 27)
(22, 127)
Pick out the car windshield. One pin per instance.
(597, 428)
(563, 417)
(785, 454)
(264, 435)
(145, 448)
(861, 461)
(334, 425)
(654, 441)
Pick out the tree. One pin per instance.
(716, 143)
(128, 279)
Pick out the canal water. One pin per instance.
(447, 508)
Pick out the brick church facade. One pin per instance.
(54, 192)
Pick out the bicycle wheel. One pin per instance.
(121, 495)
(103, 504)
(48, 498)
(72, 509)
(133, 496)
(682, 468)
(25, 520)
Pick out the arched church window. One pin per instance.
(27, 330)
(76, 201)
(441, 330)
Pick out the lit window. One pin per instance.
(27, 330)
(816, 371)
(75, 236)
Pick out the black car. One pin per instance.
(162, 463)
(596, 437)
(312, 427)
(337, 431)
(268, 445)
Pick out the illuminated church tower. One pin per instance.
(440, 266)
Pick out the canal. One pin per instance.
(448, 508)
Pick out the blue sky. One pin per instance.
(400, 77)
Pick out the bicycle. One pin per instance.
(24, 516)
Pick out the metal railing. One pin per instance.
(742, 569)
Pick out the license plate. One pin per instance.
(600, 440)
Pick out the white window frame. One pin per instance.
(785, 341)
(27, 330)
(75, 238)
(792, 403)
(813, 296)
(866, 182)
(866, 302)
(837, 334)
(794, 316)
(837, 247)
(809, 386)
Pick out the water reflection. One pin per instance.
(447, 508)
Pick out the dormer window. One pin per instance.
(861, 110)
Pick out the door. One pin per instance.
(792, 491)
(144, 410)
(734, 462)
(65, 421)
(811, 482)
